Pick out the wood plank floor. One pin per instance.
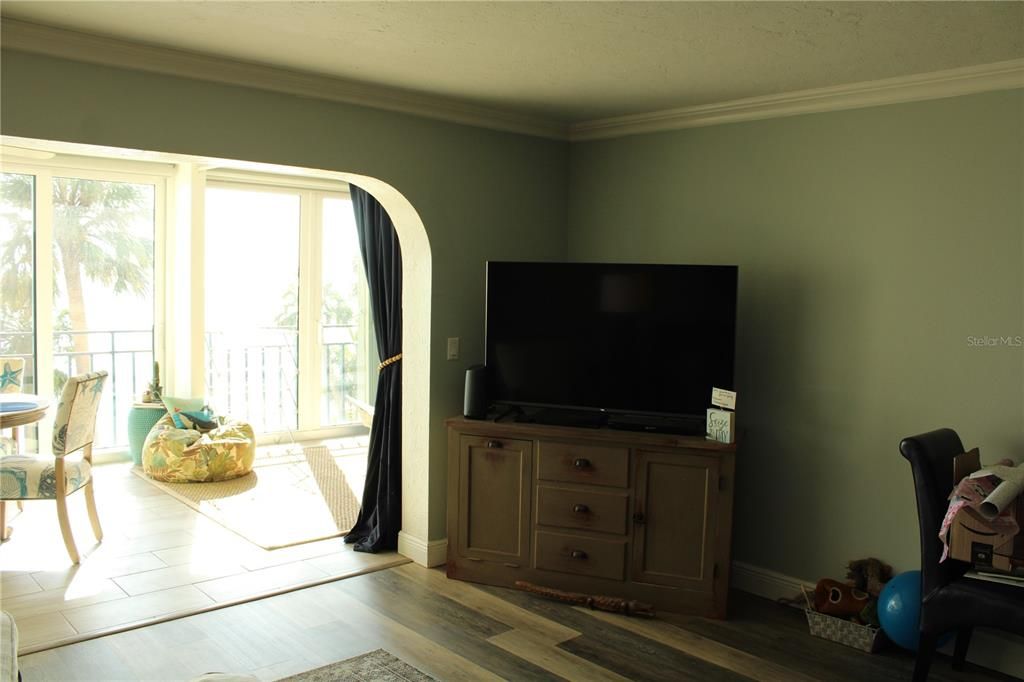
(459, 631)
(158, 558)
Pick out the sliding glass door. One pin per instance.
(78, 280)
(251, 297)
(285, 316)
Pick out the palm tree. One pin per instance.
(92, 240)
(338, 308)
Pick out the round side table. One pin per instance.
(142, 418)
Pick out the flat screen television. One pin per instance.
(611, 338)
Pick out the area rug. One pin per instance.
(376, 666)
(291, 497)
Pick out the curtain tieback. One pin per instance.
(390, 361)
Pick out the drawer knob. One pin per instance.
(581, 508)
(494, 443)
(578, 554)
(581, 463)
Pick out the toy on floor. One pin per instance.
(834, 598)
(857, 598)
(869, 575)
(899, 610)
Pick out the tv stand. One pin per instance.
(633, 515)
(554, 416)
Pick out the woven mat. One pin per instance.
(376, 666)
(288, 499)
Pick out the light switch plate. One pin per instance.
(453, 348)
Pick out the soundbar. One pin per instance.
(685, 426)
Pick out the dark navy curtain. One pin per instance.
(380, 516)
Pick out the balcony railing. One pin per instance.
(255, 373)
(125, 354)
(253, 376)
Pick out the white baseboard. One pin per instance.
(991, 649)
(765, 583)
(429, 554)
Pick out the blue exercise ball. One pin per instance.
(899, 610)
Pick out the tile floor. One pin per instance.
(159, 558)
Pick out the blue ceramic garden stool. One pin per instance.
(142, 418)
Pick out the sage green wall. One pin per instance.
(871, 244)
(481, 194)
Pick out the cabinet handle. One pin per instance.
(494, 443)
(578, 554)
(639, 518)
(581, 508)
(581, 463)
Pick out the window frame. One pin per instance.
(102, 170)
(178, 255)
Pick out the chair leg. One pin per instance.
(62, 511)
(17, 450)
(3, 521)
(925, 651)
(963, 640)
(90, 505)
(90, 500)
(65, 529)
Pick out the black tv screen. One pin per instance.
(626, 338)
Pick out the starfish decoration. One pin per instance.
(9, 377)
(97, 388)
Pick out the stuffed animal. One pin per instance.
(869, 575)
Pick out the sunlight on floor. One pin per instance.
(159, 559)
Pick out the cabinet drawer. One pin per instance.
(580, 555)
(602, 512)
(579, 463)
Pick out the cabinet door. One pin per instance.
(495, 478)
(674, 519)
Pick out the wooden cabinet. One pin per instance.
(636, 515)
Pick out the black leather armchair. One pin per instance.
(949, 601)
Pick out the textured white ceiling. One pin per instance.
(571, 61)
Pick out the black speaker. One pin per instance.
(475, 404)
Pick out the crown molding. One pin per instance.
(57, 42)
(25, 36)
(934, 85)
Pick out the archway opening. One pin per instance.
(416, 297)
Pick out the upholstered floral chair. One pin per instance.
(68, 468)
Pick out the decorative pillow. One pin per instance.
(176, 406)
(198, 420)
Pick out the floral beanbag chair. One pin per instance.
(185, 456)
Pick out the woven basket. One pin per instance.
(863, 637)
